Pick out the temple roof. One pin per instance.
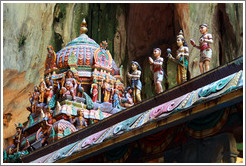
(227, 89)
(87, 52)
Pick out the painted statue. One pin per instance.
(156, 68)
(70, 85)
(182, 59)
(42, 89)
(51, 58)
(136, 84)
(113, 89)
(94, 91)
(49, 88)
(79, 121)
(43, 133)
(204, 45)
(70, 77)
(68, 90)
(49, 93)
(49, 116)
(18, 136)
(106, 90)
(127, 101)
(48, 81)
(35, 99)
(116, 101)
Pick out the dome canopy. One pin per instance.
(83, 48)
(87, 59)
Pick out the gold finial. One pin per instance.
(180, 34)
(83, 28)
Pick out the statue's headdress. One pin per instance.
(180, 35)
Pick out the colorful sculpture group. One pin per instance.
(60, 104)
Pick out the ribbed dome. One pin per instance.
(83, 48)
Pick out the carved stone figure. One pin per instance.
(136, 84)
(156, 67)
(204, 45)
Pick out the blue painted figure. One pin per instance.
(136, 84)
(116, 102)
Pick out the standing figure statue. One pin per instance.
(156, 67)
(43, 133)
(50, 61)
(106, 89)
(42, 87)
(136, 84)
(182, 59)
(94, 91)
(204, 46)
(18, 136)
(35, 97)
(116, 101)
(49, 88)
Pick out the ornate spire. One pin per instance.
(83, 28)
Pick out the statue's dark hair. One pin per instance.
(184, 43)
(206, 25)
(136, 63)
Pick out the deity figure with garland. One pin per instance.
(136, 84)
(156, 68)
(204, 45)
(182, 59)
